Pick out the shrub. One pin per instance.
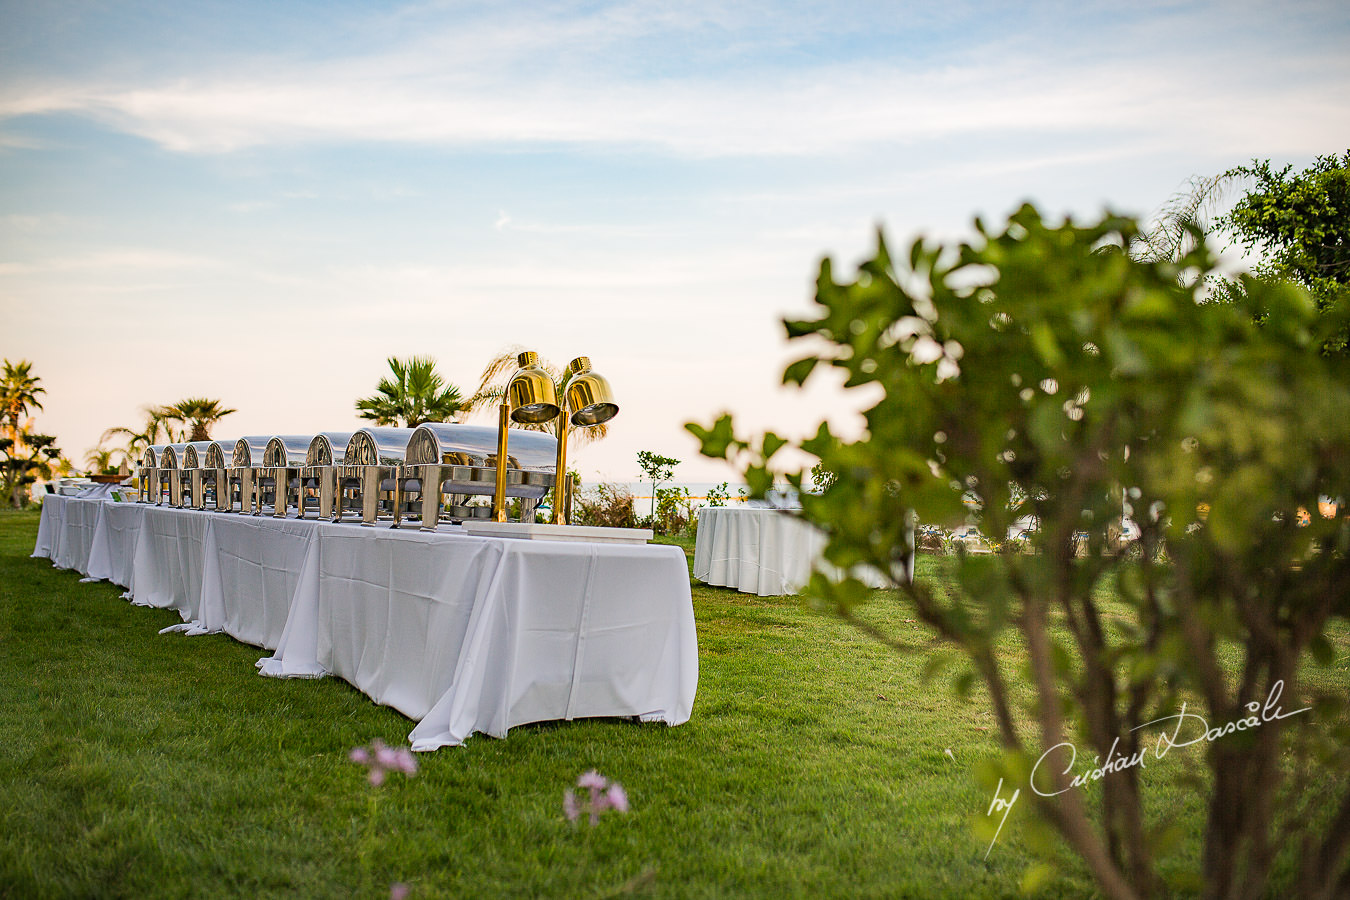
(610, 506)
(1041, 371)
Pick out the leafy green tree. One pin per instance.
(821, 478)
(1038, 374)
(1300, 223)
(23, 461)
(658, 469)
(197, 415)
(416, 394)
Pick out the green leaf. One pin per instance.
(1323, 653)
(935, 664)
(1035, 877)
(1047, 348)
(797, 372)
(716, 441)
(772, 444)
(963, 683)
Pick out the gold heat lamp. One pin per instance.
(530, 397)
(587, 400)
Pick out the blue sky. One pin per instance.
(261, 202)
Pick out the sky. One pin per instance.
(260, 202)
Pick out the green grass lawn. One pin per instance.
(135, 764)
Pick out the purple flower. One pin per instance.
(398, 891)
(595, 795)
(405, 762)
(617, 798)
(380, 759)
(593, 780)
(571, 809)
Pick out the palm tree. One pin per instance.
(416, 394)
(100, 459)
(493, 384)
(156, 427)
(18, 392)
(197, 414)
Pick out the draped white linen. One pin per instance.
(112, 555)
(755, 550)
(464, 634)
(761, 550)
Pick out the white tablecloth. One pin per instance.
(463, 634)
(761, 551)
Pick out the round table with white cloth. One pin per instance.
(764, 551)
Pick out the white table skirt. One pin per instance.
(761, 551)
(463, 634)
(112, 555)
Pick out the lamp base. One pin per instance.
(542, 532)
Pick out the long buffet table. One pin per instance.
(463, 634)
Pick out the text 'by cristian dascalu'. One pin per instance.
(1197, 730)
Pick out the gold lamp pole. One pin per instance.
(587, 400)
(529, 397)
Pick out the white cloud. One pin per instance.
(517, 84)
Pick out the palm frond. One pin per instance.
(1170, 232)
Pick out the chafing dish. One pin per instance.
(459, 462)
(369, 477)
(170, 474)
(244, 463)
(213, 475)
(318, 477)
(190, 464)
(147, 476)
(283, 458)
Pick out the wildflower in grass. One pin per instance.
(617, 798)
(599, 794)
(380, 758)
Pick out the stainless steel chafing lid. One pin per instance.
(248, 451)
(328, 448)
(286, 450)
(215, 454)
(457, 444)
(168, 459)
(377, 446)
(151, 458)
(194, 454)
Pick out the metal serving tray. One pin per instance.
(368, 480)
(283, 458)
(455, 462)
(318, 476)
